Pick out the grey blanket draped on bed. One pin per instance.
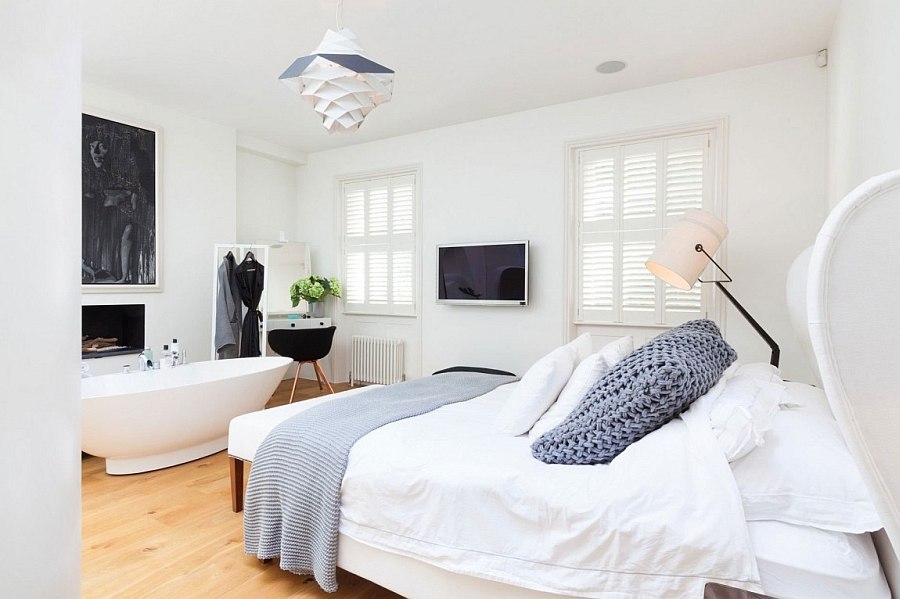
(293, 503)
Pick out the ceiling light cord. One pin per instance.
(339, 15)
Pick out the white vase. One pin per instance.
(317, 309)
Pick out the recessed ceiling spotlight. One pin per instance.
(610, 66)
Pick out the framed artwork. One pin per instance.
(119, 206)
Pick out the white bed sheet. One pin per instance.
(802, 562)
(449, 489)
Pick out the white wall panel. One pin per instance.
(266, 198)
(40, 200)
(863, 94)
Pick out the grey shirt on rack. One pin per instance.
(228, 310)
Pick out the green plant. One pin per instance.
(314, 289)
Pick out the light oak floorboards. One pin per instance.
(171, 533)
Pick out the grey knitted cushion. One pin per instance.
(648, 388)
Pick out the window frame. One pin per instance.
(713, 307)
(340, 181)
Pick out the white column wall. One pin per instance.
(197, 191)
(863, 94)
(504, 178)
(266, 198)
(40, 190)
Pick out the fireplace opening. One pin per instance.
(112, 330)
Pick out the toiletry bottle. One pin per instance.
(166, 358)
(176, 352)
(146, 359)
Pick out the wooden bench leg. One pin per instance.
(236, 466)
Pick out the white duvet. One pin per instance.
(448, 488)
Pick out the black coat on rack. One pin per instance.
(249, 276)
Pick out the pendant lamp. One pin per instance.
(340, 81)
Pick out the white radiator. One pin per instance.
(376, 360)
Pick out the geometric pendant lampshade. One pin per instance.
(342, 84)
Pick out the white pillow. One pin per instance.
(762, 371)
(584, 346)
(743, 412)
(804, 473)
(584, 377)
(538, 388)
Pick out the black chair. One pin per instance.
(304, 346)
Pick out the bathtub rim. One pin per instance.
(274, 362)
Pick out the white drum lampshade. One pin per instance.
(676, 259)
(342, 84)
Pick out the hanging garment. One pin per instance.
(249, 276)
(228, 310)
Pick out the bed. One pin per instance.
(671, 513)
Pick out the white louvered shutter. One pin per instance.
(379, 245)
(598, 241)
(628, 196)
(688, 185)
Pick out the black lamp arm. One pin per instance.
(776, 351)
(728, 279)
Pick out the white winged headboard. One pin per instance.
(853, 302)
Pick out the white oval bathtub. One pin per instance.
(149, 420)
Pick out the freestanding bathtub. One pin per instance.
(144, 421)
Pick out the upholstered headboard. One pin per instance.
(853, 302)
(796, 287)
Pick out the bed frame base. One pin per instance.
(413, 578)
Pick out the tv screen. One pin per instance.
(483, 273)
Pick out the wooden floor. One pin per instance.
(171, 533)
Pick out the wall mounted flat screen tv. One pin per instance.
(483, 274)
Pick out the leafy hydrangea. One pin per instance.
(314, 289)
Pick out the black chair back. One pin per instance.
(302, 345)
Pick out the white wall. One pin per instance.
(863, 94)
(198, 208)
(266, 198)
(40, 183)
(504, 178)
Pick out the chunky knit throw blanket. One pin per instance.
(648, 388)
(293, 500)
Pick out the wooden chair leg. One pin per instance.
(319, 371)
(296, 376)
(315, 366)
(236, 466)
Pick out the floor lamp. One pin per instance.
(686, 250)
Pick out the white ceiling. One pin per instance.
(456, 60)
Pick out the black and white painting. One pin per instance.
(119, 206)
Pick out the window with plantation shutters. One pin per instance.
(379, 216)
(627, 195)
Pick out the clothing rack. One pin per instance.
(240, 250)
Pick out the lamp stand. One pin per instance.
(776, 351)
